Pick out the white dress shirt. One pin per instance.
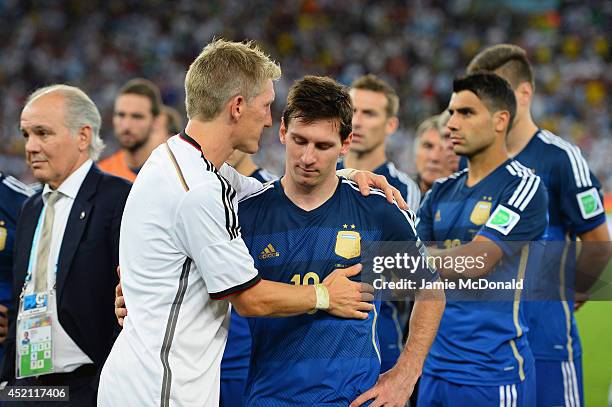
(67, 356)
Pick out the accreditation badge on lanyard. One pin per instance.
(34, 346)
(33, 341)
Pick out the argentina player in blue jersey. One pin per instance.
(235, 362)
(302, 227)
(575, 210)
(12, 195)
(375, 107)
(481, 356)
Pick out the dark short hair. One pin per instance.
(511, 61)
(146, 88)
(494, 92)
(314, 98)
(375, 84)
(174, 123)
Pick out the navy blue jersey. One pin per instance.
(12, 195)
(484, 343)
(262, 175)
(235, 362)
(392, 319)
(575, 206)
(315, 358)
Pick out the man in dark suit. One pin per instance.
(67, 245)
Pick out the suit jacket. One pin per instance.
(87, 263)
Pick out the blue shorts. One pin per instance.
(559, 383)
(232, 392)
(435, 392)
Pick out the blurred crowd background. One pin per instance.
(418, 46)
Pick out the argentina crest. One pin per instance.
(481, 212)
(348, 244)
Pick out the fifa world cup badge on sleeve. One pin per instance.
(590, 203)
(503, 220)
(33, 342)
(348, 244)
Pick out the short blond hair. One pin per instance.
(223, 70)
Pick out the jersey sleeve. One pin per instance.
(424, 224)
(413, 196)
(399, 226)
(520, 216)
(207, 229)
(243, 185)
(581, 198)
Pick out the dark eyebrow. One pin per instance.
(462, 110)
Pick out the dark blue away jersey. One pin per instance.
(484, 343)
(12, 195)
(315, 358)
(235, 362)
(575, 206)
(391, 325)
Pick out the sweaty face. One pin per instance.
(312, 150)
(133, 121)
(52, 152)
(369, 120)
(470, 124)
(257, 115)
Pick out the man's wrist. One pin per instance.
(408, 369)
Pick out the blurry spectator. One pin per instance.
(71, 228)
(137, 114)
(433, 153)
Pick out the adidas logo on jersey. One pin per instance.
(268, 252)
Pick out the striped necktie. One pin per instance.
(44, 244)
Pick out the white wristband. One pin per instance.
(322, 297)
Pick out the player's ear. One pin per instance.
(346, 145)
(392, 125)
(237, 104)
(523, 94)
(282, 131)
(501, 121)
